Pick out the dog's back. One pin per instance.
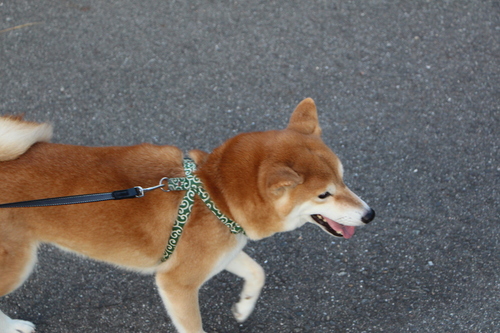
(17, 136)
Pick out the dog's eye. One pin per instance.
(324, 195)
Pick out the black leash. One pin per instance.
(134, 192)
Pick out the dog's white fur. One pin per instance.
(8, 325)
(16, 137)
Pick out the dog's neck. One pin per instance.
(209, 172)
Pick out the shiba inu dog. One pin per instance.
(267, 182)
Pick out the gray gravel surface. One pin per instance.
(408, 95)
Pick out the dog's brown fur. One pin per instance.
(257, 179)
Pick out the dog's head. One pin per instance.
(278, 180)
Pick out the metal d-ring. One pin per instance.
(161, 185)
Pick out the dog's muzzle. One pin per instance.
(369, 216)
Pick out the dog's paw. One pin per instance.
(20, 326)
(243, 308)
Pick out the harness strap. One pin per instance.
(192, 185)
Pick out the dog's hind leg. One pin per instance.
(254, 276)
(17, 258)
(8, 325)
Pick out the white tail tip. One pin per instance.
(17, 136)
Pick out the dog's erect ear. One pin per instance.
(305, 118)
(281, 178)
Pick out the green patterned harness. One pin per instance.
(192, 185)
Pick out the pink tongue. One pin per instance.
(347, 231)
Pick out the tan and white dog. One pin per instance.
(268, 182)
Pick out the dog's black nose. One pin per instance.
(369, 216)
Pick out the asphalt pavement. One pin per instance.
(408, 94)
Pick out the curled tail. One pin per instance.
(17, 136)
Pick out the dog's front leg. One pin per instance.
(181, 301)
(254, 276)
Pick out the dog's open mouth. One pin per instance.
(334, 228)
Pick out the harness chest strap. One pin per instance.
(193, 186)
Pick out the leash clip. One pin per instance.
(141, 191)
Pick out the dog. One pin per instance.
(267, 182)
